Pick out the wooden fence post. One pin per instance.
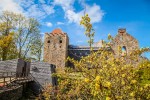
(4, 80)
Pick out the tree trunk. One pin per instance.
(4, 54)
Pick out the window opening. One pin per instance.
(48, 41)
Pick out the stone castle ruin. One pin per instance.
(125, 41)
(57, 48)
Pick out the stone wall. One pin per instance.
(9, 65)
(56, 48)
(42, 73)
(125, 41)
(16, 65)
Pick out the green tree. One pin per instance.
(7, 43)
(25, 34)
(36, 49)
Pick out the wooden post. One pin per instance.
(2, 74)
(10, 78)
(4, 80)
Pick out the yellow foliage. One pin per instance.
(133, 81)
(86, 80)
(97, 78)
(108, 98)
(5, 41)
(101, 75)
(111, 79)
(132, 94)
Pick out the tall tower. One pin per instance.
(56, 48)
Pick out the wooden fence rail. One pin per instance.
(7, 77)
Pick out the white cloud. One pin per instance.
(10, 5)
(42, 8)
(65, 4)
(94, 11)
(73, 17)
(48, 9)
(39, 11)
(35, 12)
(28, 8)
(25, 3)
(60, 23)
(49, 24)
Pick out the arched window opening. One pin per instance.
(123, 48)
(48, 41)
(60, 41)
(124, 51)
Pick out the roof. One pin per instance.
(57, 31)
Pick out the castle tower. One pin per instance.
(125, 41)
(56, 48)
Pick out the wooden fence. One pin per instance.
(7, 77)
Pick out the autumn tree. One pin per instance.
(25, 32)
(7, 43)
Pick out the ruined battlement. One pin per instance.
(57, 48)
(122, 31)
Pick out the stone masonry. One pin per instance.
(125, 41)
(57, 48)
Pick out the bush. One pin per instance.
(101, 76)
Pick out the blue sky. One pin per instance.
(107, 16)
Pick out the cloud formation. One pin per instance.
(60, 23)
(49, 24)
(43, 8)
(10, 5)
(95, 12)
(28, 7)
(65, 4)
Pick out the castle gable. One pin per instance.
(125, 41)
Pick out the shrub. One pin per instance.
(101, 76)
